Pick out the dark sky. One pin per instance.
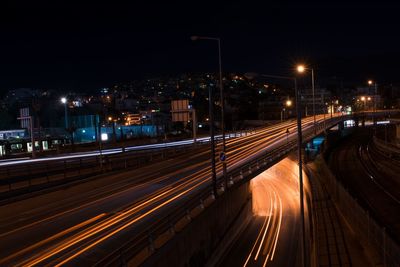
(62, 45)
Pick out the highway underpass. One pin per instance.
(272, 236)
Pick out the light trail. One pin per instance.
(60, 234)
(241, 148)
(266, 229)
(279, 228)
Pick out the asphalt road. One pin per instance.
(272, 236)
(69, 226)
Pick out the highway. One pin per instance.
(272, 236)
(77, 225)
(19, 161)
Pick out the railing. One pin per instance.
(29, 177)
(157, 233)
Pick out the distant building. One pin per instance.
(21, 97)
(13, 134)
(322, 98)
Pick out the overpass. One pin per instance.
(146, 216)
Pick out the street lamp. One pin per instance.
(64, 101)
(222, 99)
(113, 121)
(370, 83)
(363, 99)
(288, 103)
(300, 161)
(302, 69)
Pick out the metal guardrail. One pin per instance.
(155, 234)
(29, 177)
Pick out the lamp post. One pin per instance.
(370, 82)
(222, 99)
(300, 161)
(112, 121)
(64, 101)
(288, 103)
(212, 143)
(302, 69)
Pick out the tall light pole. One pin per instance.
(222, 99)
(288, 103)
(300, 161)
(302, 69)
(212, 142)
(64, 101)
(370, 82)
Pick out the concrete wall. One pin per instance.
(195, 244)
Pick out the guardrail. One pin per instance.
(157, 233)
(29, 177)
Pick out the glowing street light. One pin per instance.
(288, 103)
(64, 101)
(301, 69)
(370, 83)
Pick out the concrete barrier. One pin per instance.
(195, 243)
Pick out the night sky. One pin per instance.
(67, 46)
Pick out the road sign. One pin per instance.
(222, 157)
(180, 110)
